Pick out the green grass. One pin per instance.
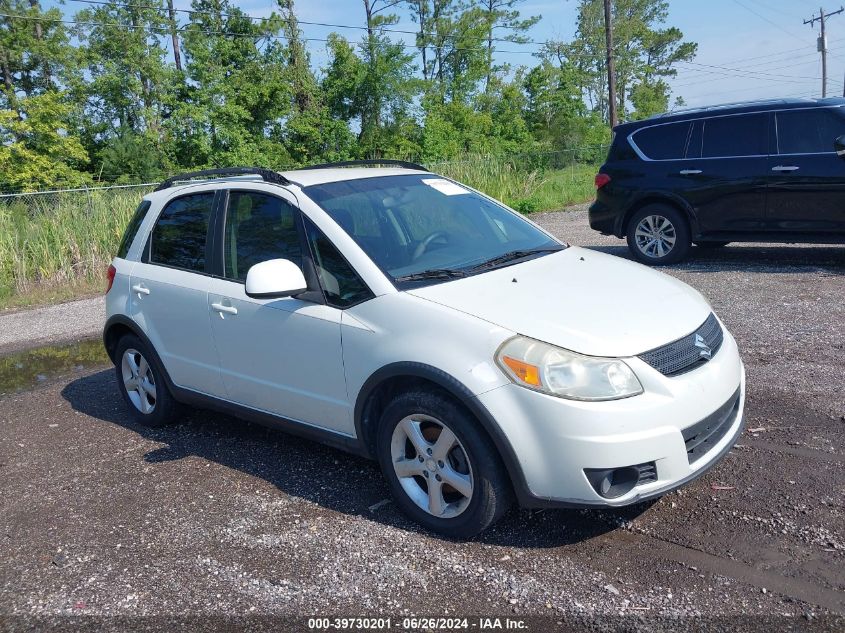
(57, 247)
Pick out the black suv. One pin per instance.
(767, 171)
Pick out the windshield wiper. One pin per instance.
(434, 273)
(513, 256)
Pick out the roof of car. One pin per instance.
(734, 108)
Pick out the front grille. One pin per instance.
(687, 352)
(704, 435)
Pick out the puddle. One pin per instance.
(31, 368)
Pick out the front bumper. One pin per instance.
(557, 442)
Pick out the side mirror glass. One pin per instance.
(275, 278)
(839, 146)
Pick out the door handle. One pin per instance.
(689, 172)
(140, 290)
(785, 168)
(227, 309)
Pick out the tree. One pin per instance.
(37, 147)
(643, 52)
(500, 15)
(231, 109)
(36, 54)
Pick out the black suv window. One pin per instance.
(132, 229)
(663, 142)
(809, 131)
(259, 227)
(341, 284)
(742, 135)
(179, 236)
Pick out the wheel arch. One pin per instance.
(117, 327)
(382, 384)
(673, 201)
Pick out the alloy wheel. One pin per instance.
(655, 236)
(138, 380)
(432, 466)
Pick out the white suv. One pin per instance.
(403, 316)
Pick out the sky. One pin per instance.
(747, 49)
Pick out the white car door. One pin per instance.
(283, 355)
(169, 287)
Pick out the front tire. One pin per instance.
(142, 384)
(658, 235)
(442, 469)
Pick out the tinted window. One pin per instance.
(663, 142)
(341, 284)
(809, 131)
(259, 227)
(743, 135)
(132, 228)
(179, 236)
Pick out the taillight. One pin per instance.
(110, 276)
(602, 180)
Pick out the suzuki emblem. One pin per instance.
(704, 350)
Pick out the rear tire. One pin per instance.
(658, 235)
(710, 245)
(142, 385)
(443, 470)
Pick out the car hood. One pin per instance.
(581, 300)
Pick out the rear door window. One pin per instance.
(809, 131)
(179, 237)
(733, 136)
(663, 142)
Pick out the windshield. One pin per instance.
(422, 228)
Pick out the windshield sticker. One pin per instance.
(446, 187)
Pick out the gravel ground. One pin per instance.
(218, 518)
(54, 324)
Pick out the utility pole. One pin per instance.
(611, 70)
(822, 45)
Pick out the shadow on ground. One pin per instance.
(745, 258)
(331, 478)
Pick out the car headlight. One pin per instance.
(559, 372)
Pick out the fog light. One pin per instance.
(611, 483)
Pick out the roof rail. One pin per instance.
(372, 161)
(266, 174)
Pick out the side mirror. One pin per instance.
(275, 278)
(839, 146)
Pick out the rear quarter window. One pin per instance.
(132, 229)
(663, 142)
(179, 236)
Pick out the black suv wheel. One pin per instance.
(658, 234)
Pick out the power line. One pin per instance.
(191, 28)
(763, 17)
